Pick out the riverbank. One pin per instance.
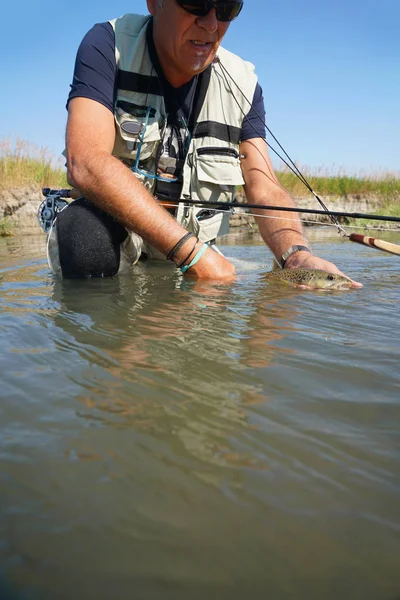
(18, 210)
(354, 203)
(25, 170)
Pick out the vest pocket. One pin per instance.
(131, 124)
(216, 173)
(206, 228)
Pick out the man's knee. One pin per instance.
(88, 241)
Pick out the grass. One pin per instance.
(389, 209)
(383, 185)
(6, 228)
(23, 164)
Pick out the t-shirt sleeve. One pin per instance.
(95, 67)
(253, 126)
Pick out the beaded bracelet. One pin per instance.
(189, 255)
(171, 254)
(196, 258)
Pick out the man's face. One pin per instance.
(186, 44)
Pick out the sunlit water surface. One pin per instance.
(162, 439)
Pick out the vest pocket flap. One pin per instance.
(206, 229)
(131, 128)
(131, 121)
(219, 168)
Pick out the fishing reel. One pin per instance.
(54, 202)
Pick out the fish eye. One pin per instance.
(330, 277)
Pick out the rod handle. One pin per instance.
(375, 243)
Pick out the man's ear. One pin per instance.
(151, 6)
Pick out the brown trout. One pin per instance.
(313, 278)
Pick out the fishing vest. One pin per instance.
(212, 169)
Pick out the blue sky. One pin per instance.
(330, 72)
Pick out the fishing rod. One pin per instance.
(312, 211)
(70, 193)
(354, 237)
(56, 200)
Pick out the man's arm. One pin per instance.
(262, 187)
(109, 184)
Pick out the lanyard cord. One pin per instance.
(136, 164)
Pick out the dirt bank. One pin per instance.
(356, 203)
(19, 208)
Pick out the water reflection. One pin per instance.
(169, 439)
(175, 355)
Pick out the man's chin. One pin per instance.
(201, 64)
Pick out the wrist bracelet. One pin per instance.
(171, 254)
(189, 255)
(196, 258)
(290, 251)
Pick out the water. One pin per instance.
(162, 439)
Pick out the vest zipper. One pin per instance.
(217, 150)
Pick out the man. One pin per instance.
(155, 114)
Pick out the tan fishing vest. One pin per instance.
(212, 167)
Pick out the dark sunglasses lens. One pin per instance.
(225, 11)
(200, 8)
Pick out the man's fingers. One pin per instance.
(354, 284)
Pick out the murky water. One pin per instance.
(169, 440)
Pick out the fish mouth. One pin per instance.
(323, 287)
(343, 285)
(340, 286)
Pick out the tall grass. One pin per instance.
(386, 186)
(23, 164)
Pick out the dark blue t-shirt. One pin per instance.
(95, 76)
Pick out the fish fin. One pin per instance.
(275, 265)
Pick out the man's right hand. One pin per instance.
(212, 266)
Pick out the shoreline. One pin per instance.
(361, 203)
(18, 210)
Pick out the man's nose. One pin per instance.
(209, 21)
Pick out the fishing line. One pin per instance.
(306, 221)
(312, 211)
(295, 170)
(354, 237)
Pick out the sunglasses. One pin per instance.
(225, 11)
